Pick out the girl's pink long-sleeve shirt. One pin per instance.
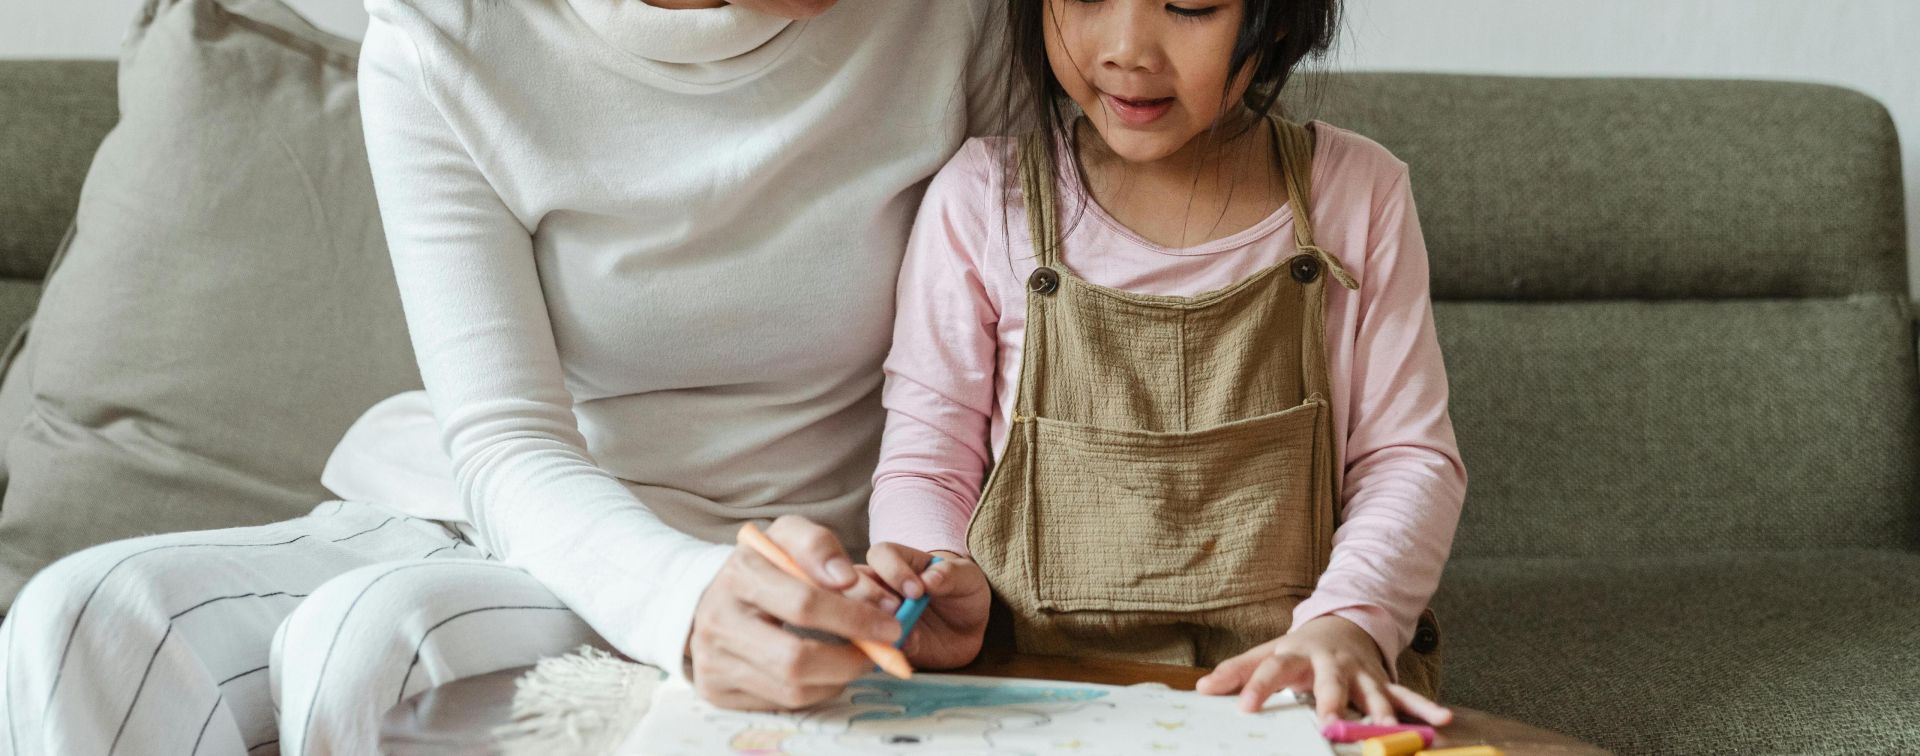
(954, 367)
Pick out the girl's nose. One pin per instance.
(1131, 39)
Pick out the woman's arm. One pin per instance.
(478, 320)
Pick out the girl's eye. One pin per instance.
(1184, 12)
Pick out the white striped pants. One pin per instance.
(294, 637)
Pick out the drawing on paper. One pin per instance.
(945, 714)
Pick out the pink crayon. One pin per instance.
(1342, 731)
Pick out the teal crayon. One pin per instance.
(910, 611)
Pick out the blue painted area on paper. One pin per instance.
(919, 699)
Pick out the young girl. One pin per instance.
(1161, 321)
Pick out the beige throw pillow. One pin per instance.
(226, 308)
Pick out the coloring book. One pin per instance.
(952, 714)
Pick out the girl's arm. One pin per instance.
(1404, 481)
(465, 267)
(939, 392)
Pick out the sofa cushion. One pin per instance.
(226, 307)
(1794, 652)
(1616, 188)
(1634, 428)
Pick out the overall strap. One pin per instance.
(1037, 188)
(1295, 145)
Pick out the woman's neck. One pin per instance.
(1220, 183)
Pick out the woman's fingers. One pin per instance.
(816, 549)
(749, 686)
(900, 567)
(792, 659)
(743, 659)
(1370, 697)
(868, 587)
(770, 590)
(1419, 706)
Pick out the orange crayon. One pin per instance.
(888, 657)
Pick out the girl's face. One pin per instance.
(1150, 74)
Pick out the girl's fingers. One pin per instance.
(1419, 706)
(900, 567)
(1234, 672)
(1273, 673)
(1370, 696)
(1329, 688)
(954, 578)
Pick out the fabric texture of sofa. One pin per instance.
(1684, 381)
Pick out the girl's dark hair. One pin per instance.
(1275, 37)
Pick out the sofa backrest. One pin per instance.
(53, 115)
(1674, 312)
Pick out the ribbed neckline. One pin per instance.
(703, 37)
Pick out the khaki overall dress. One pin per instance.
(1168, 489)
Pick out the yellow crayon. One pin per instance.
(1397, 744)
(1468, 751)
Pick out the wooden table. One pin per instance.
(457, 719)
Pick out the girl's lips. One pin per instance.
(1138, 112)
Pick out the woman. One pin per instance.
(647, 254)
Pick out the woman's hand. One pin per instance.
(950, 632)
(743, 658)
(1333, 658)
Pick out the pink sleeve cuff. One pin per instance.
(915, 520)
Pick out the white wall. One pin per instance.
(1869, 45)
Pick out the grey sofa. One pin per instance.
(1684, 382)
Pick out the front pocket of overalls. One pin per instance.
(1129, 520)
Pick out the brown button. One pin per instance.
(1207, 546)
(1305, 268)
(1043, 281)
(1426, 638)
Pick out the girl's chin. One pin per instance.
(1140, 146)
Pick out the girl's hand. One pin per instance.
(950, 632)
(1334, 658)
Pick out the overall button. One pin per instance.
(1305, 268)
(1426, 638)
(1043, 281)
